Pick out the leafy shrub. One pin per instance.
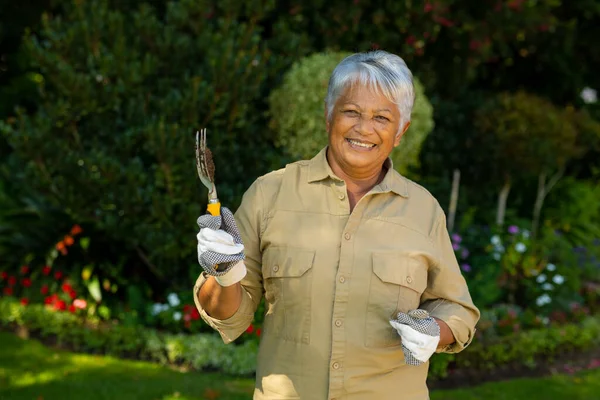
(297, 110)
(121, 95)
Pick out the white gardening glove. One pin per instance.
(220, 248)
(420, 335)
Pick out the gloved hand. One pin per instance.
(220, 248)
(420, 335)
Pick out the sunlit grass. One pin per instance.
(29, 370)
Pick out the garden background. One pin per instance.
(99, 104)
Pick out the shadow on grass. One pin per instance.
(28, 370)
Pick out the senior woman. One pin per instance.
(344, 249)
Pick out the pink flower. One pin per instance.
(80, 303)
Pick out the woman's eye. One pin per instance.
(382, 118)
(352, 113)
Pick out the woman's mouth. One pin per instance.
(360, 145)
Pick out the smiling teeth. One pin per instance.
(366, 146)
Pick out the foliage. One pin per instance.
(297, 110)
(111, 141)
(531, 135)
(199, 351)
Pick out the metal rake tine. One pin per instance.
(204, 139)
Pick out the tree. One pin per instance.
(532, 138)
(297, 112)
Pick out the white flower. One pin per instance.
(547, 286)
(176, 315)
(525, 234)
(543, 300)
(520, 247)
(495, 240)
(173, 300)
(589, 95)
(496, 256)
(545, 320)
(550, 267)
(157, 308)
(499, 248)
(558, 279)
(541, 278)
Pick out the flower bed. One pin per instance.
(207, 351)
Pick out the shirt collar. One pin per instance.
(319, 169)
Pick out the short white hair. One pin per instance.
(378, 70)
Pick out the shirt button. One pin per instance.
(347, 236)
(384, 187)
(338, 323)
(408, 279)
(342, 279)
(341, 196)
(336, 365)
(276, 268)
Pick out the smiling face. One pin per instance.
(363, 130)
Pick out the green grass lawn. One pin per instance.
(28, 370)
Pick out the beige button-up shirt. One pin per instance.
(332, 279)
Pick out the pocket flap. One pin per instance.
(400, 269)
(280, 262)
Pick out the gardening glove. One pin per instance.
(220, 248)
(420, 335)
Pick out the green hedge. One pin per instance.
(207, 351)
(198, 351)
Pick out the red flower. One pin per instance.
(8, 291)
(195, 314)
(250, 329)
(72, 294)
(72, 308)
(187, 308)
(3, 275)
(60, 305)
(12, 280)
(44, 289)
(76, 230)
(24, 301)
(60, 246)
(428, 7)
(24, 269)
(26, 282)
(66, 287)
(411, 40)
(49, 300)
(258, 332)
(58, 275)
(187, 324)
(46, 270)
(68, 240)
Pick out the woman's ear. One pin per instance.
(401, 133)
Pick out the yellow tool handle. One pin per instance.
(214, 209)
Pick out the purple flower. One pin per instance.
(456, 238)
(513, 229)
(455, 246)
(466, 267)
(464, 253)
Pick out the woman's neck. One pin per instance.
(357, 185)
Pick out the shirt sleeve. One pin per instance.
(249, 219)
(447, 296)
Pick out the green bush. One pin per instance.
(297, 110)
(122, 92)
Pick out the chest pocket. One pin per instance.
(287, 274)
(397, 282)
